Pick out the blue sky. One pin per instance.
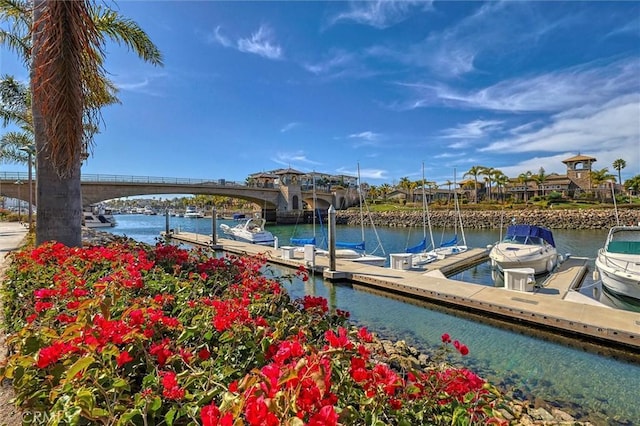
(325, 86)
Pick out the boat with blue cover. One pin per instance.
(525, 246)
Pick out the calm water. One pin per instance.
(602, 388)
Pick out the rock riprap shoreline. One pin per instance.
(494, 219)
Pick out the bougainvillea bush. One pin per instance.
(134, 334)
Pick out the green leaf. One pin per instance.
(155, 405)
(99, 412)
(171, 414)
(121, 383)
(80, 365)
(128, 416)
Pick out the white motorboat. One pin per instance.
(91, 220)
(356, 255)
(193, 213)
(249, 230)
(525, 246)
(618, 262)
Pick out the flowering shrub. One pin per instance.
(131, 334)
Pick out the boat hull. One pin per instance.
(248, 234)
(618, 278)
(508, 256)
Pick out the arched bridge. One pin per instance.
(100, 187)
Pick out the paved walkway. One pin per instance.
(12, 235)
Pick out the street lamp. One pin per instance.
(29, 149)
(19, 183)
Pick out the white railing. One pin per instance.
(23, 177)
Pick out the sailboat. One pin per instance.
(422, 253)
(356, 251)
(451, 246)
(301, 241)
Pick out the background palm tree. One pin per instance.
(487, 172)
(501, 181)
(599, 178)
(448, 183)
(67, 82)
(524, 178)
(618, 165)
(15, 107)
(384, 189)
(540, 180)
(405, 185)
(474, 171)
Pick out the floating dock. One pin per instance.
(555, 306)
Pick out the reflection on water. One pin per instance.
(601, 388)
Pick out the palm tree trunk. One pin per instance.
(59, 208)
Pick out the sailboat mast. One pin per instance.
(424, 203)
(457, 207)
(315, 206)
(425, 210)
(360, 203)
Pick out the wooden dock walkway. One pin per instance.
(547, 308)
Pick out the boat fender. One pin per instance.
(560, 258)
(596, 275)
(550, 265)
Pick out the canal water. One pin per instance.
(596, 387)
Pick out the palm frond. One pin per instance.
(10, 144)
(66, 58)
(17, 14)
(123, 30)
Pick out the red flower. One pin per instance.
(52, 354)
(171, 388)
(339, 341)
(446, 338)
(204, 354)
(463, 349)
(327, 416)
(364, 335)
(210, 416)
(123, 358)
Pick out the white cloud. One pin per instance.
(616, 124)
(144, 85)
(364, 173)
(261, 43)
(380, 13)
(474, 130)
(550, 92)
(220, 39)
(289, 126)
(338, 60)
(296, 160)
(367, 138)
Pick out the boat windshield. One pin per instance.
(523, 239)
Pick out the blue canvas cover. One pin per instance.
(303, 241)
(355, 246)
(531, 231)
(419, 248)
(452, 242)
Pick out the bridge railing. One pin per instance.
(105, 178)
